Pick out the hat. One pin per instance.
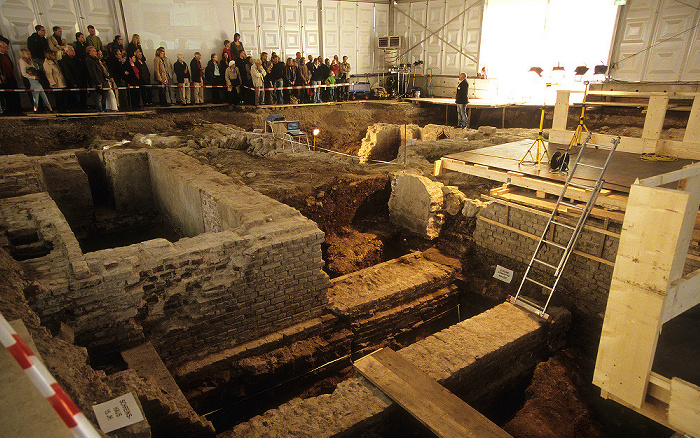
(231, 63)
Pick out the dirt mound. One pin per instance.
(555, 408)
(349, 251)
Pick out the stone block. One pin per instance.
(380, 143)
(454, 199)
(488, 130)
(472, 207)
(416, 203)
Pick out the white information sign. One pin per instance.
(117, 413)
(503, 274)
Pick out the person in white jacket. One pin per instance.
(258, 74)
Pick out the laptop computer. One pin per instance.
(293, 128)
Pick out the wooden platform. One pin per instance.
(501, 163)
(442, 412)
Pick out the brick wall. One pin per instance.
(479, 356)
(584, 285)
(257, 269)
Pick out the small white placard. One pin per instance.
(503, 274)
(117, 413)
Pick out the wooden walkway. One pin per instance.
(445, 414)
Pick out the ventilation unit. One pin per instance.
(389, 42)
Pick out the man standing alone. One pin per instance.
(462, 99)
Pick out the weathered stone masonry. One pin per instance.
(589, 278)
(254, 269)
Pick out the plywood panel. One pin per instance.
(647, 261)
(348, 31)
(268, 22)
(445, 414)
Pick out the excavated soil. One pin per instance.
(348, 202)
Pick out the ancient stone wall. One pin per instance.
(256, 267)
(473, 359)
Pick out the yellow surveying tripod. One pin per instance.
(539, 141)
(576, 139)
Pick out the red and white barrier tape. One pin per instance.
(76, 422)
(129, 87)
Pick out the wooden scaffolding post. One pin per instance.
(648, 289)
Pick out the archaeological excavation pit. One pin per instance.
(231, 288)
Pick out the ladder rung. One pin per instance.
(598, 145)
(590, 165)
(581, 186)
(549, 242)
(561, 224)
(571, 205)
(544, 263)
(538, 283)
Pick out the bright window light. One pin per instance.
(519, 34)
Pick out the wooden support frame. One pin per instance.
(651, 141)
(647, 290)
(605, 198)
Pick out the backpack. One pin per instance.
(559, 162)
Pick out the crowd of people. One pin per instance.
(119, 77)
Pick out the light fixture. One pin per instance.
(537, 70)
(581, 70)
(315, 132)
(600, 69)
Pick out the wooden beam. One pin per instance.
(562, 210)
(649, 257)
(676, 175)
(521, 180)
(692, 128)
(654, 121)
(681, 296)
(534, 237)
(445, 414)
(561, 110)
(684, 407)
(438, 168)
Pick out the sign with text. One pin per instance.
(117, 413)
(503, 274)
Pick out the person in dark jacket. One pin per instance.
(12, 104)
(80, 46)
(278, 75)
(117, 43)
(75, 73)
(213, 74)
(38, 45)
(134, 45)
(132, 76)
(317, 79)
(461, 99)
(196, 75)
(98, 79)
(145, 74)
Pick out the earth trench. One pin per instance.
(559, 392)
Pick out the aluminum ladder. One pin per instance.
(554, 270)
